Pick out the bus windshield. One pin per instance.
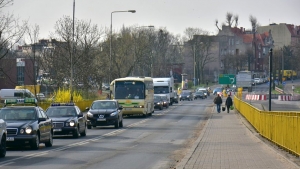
(129, 90)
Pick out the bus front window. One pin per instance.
(129, 90)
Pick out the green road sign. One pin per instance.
(227, 79)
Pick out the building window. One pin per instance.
(237, 42)
(20, 75)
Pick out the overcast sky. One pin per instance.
(174, 15)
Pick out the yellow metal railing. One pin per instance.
(282, 128)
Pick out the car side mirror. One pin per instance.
(120, 108)
(87, 108)
(80, 115)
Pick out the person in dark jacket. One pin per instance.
(228, 103)
(218, 102)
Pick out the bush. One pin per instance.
(64, 96)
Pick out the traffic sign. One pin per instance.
(227, 79)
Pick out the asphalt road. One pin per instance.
(158, 141)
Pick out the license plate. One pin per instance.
(127, 108)
(56, 130)
(10, 139)
(101, 119)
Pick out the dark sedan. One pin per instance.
(158, 102)
(67, 119)
(199, 94)
(186, 95)
(26, 125)
(104, 113)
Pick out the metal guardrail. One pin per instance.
(280, 127)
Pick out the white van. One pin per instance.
(15, 94)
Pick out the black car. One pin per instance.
(104, 113)
(165, 101)
(199, 94)
(186, 95)
(26, 125)
(158, 102)
(67, 119)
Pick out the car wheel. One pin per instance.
(76, 133)
(49, 143)
(117, 124)
(121, 123)
(3, 147)
(36, 143)
(84, 132)
(89, 126)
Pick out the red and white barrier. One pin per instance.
(256, 97)
(284, 97)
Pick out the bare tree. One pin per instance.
(253, 22)
(83, 50)
(236, 20)
(229, 19)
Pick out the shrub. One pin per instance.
(64, 95)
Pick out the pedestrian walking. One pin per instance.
(107, 97)
(218, 101)
(228, 103)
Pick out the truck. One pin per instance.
(165, 85)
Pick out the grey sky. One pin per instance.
(175, 15)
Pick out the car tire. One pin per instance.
(89, 126)
(3, 147)
(84, 131)
(49, 143)
(121, 123)
(76, 133)
(36, 143)
(117, 123)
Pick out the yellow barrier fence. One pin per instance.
(282, 128)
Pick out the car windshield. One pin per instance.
(18, 114)
(61, 112)
(218, 89)
(104, 105)
(200, 92)
(185, 93)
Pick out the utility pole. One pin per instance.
(270, 76)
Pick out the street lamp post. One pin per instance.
(110, 48)
(72, 53)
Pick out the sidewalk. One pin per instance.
(226, 143)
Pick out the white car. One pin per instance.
(256, 80)
(3, 133)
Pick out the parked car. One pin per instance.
(158, 102)
(3, 134)
(105, 86)
(104, 113)
(186, 95)
(26, 125)
(67, 119)
(41, 96)
(256, 80)
(199, 94)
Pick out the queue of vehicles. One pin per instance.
(24, 123)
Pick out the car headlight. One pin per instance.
(89, 114)
(188, 96)
(72, 123)
(113, 113)
(179, 95)
(158, 103)
(165, 102)
(28, 129)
